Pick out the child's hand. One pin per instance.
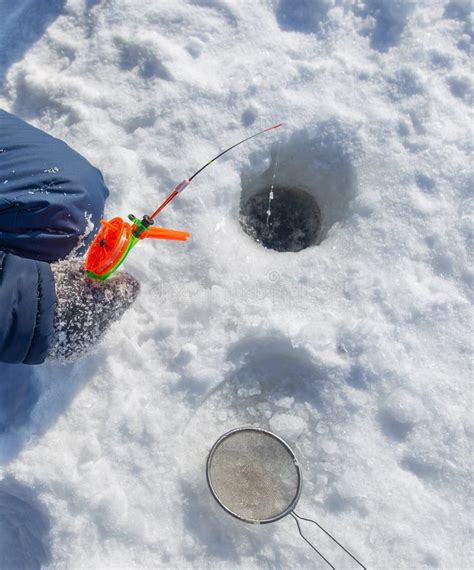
(86, 308)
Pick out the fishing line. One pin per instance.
(270, 195)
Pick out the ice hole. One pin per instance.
(283, 219)
(296, 196)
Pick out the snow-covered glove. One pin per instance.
(86, 308)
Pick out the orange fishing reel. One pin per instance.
(117, 238)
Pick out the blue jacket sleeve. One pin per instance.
(27, 302)
(49, 194)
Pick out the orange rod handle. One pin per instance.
(164, 233)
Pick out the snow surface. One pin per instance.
(356, 351)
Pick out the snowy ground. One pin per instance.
(356, 350)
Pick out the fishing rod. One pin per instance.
(117, 238)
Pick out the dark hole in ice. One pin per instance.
(291, 221)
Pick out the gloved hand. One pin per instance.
(86, 308)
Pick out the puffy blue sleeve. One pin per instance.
(49, 194)
(27, 302)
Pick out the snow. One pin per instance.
(356, 350)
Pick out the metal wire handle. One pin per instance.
(296, 517)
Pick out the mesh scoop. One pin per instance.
(254, 475)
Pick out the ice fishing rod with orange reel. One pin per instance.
(117, 238)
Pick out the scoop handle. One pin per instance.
(300, 518)
(309, 542)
